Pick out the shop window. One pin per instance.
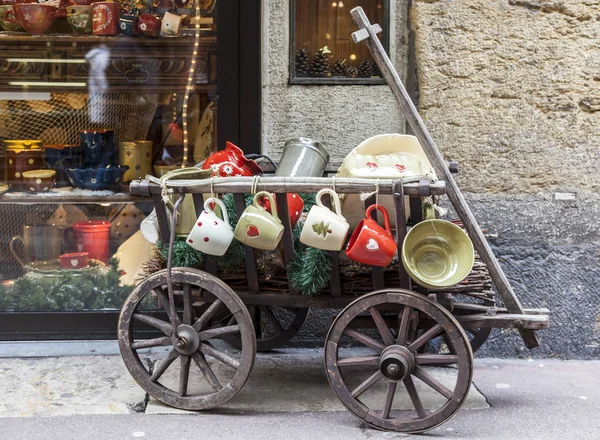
(321, 48)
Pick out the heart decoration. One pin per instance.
(252, 231)
(372, 166)
(212, 205)
(372, 245)
(401, 168)
(74, 262)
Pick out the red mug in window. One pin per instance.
(93, 237)
(105, 18)
(371, 244)
(149, 25)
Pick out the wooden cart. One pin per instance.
(406, 333)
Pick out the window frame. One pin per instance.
(333, 81)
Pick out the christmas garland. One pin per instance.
(309, 271)
(93, 289)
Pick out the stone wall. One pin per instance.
(341, 116)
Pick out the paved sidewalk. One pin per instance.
(287, 397)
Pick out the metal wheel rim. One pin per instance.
(139, 372)
(371, 416)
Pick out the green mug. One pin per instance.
(257, 228)
(437, 253)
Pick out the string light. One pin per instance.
(189, 87)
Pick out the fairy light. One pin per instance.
(189, 87)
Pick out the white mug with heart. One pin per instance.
(325, 229)
(211, 234)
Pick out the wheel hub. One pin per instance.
(187, 341)
(396, 362)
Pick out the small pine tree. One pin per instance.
(320, 63)
(302, 63)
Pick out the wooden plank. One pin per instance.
(399, 208)
(515, 320)
(300, 301)
(198, 203)
(278, 184)
(288, 238)
(335, 284)
(418, 127)
(251, 269)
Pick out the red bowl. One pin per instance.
(36, 18)
(75, 260)
(231, 162)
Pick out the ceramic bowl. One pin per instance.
(36, 18)
(96, 178)
(3, 188)
(38, 181)
(79, 9)
(77, 260)
(8, 22)
(437, 254)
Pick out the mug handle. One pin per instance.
(334, 197)
(386, 217)
(12, 248)
(9, 16)
(428, 211)
(271, 201)
(221, 205)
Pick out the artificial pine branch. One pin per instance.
(310, 272)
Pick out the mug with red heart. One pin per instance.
(210, 234)
(257, 227)
(370, 243)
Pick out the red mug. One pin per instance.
(105, 18)
(371, 244)
(93, 237)
(295, 206)
(149, 25)
(36, 18)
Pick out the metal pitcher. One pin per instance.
(303, 157)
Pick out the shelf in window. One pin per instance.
(74, 196)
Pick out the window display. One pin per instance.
(322, 51)
(93, 95)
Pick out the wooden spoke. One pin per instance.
(436, 359)
(429, 334)
(360, 360)
(184, 374)
(219, 331)
(449, 343)
(364, 339)
(403, 323)
(373, 379)
(383, 328)
(414, 396)
(159, 369)
(432, 382)
(207, 372)
(164, 301)
(272, 318)
(188, 310)
(220, 356)
(389, 400)
(159, 324)
(203, 320)
(149, 343)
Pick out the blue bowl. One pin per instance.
(96, 178)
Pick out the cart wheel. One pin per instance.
(219, 375)
(369, 384)
(274, 326)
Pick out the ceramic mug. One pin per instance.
(105, 18)
(210, 234)
(324, 229)
(257, 228)
(371, 244)
(80, 23)
(149, 25)
(295, 206)
(149, 227)
(92, 236)
(437, 253)
(40, 243)
(97, 147)
(128, 23)
(8, 21)
(36, 18)
(170, 24)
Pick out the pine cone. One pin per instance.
(365, 69)
(376, 71)
(320, 64)
(339, 68)
(302, 63)
(352, 72)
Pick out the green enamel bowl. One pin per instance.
(437, 254)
